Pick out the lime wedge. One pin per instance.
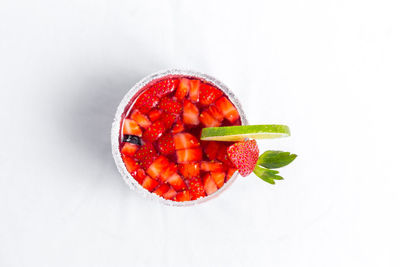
(239, 133)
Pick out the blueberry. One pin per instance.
(134, 139)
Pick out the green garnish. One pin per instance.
(272, 159)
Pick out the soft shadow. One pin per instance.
(90, 111)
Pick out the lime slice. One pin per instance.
(239, 133)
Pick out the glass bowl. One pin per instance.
(125, 105)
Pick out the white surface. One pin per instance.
(329, 69)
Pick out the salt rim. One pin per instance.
(115, 131)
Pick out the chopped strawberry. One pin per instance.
(194, 90)
(182, 196)
(227, 109)
(230, 172)
(196, 188)
(244, 156)
(212, 148)
(208, 120)
(169, 105)
(140, 119)
(208, 94)
(212, 166)
(223, 156)
(166, 144)
(129, 149)
(190, 113)
(215, 112)
(130, 164)
(170, 194)
(176, 182)
(168, 119)
(154, 131)
(168, 172)
(183, 89)
(188, 155)
(165, 87)
(158, 166)
(189, 170)
(185, 140)
(161, 190)
(131, 128)
(139, 175)
(149, 183)
(209, 184)
(146, 101)
(155, 114)
(219, 178)
(178, 127)
(146, 154)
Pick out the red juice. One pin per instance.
(160, 138)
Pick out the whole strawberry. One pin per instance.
(244, 156)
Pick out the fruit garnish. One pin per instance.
(209, 184)
(182, 196)
(131, 128)
(194, 90)
(208, 94)
(149, 183)
(188, 155)
(189, 170)
(140, 118)
(146, 101)
(208, 120)
(169, 105)
(244, 155)
(183, 89)
(240, 133)
(154, 131)
(166, 144)
(219, 178)
(190, 113)
(129, 149)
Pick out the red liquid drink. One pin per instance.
(159, 137)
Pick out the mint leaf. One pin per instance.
(275, 159)
(266, 174)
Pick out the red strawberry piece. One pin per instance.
(178, 127)
(182, 196)
(140, 119)
(212, 166)
(177, 182)
(131, 127)
(170, 194)
(158, 166)
(183, 89)
(146, 154)
(165, 87)
(196, 188)
(230, 172)
(219, 178)
(212, 148)
(215, 112)
(168, 119)
(227, 109)
(166, 144)
(149, 183)
(146, 101)
(139, 175)
(185, 140)
(130, 164)
(161, 190)
(208, 94)
(222, 156)
(188, 155)
(208, 120)
(209, 184)
(129, 149)
(168, 172)
(194, 90)
(169, 105)
(244, 156)
(155, 114)
(190, 113)
(189, 170)
(154, 131)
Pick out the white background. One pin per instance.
(329, 69)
